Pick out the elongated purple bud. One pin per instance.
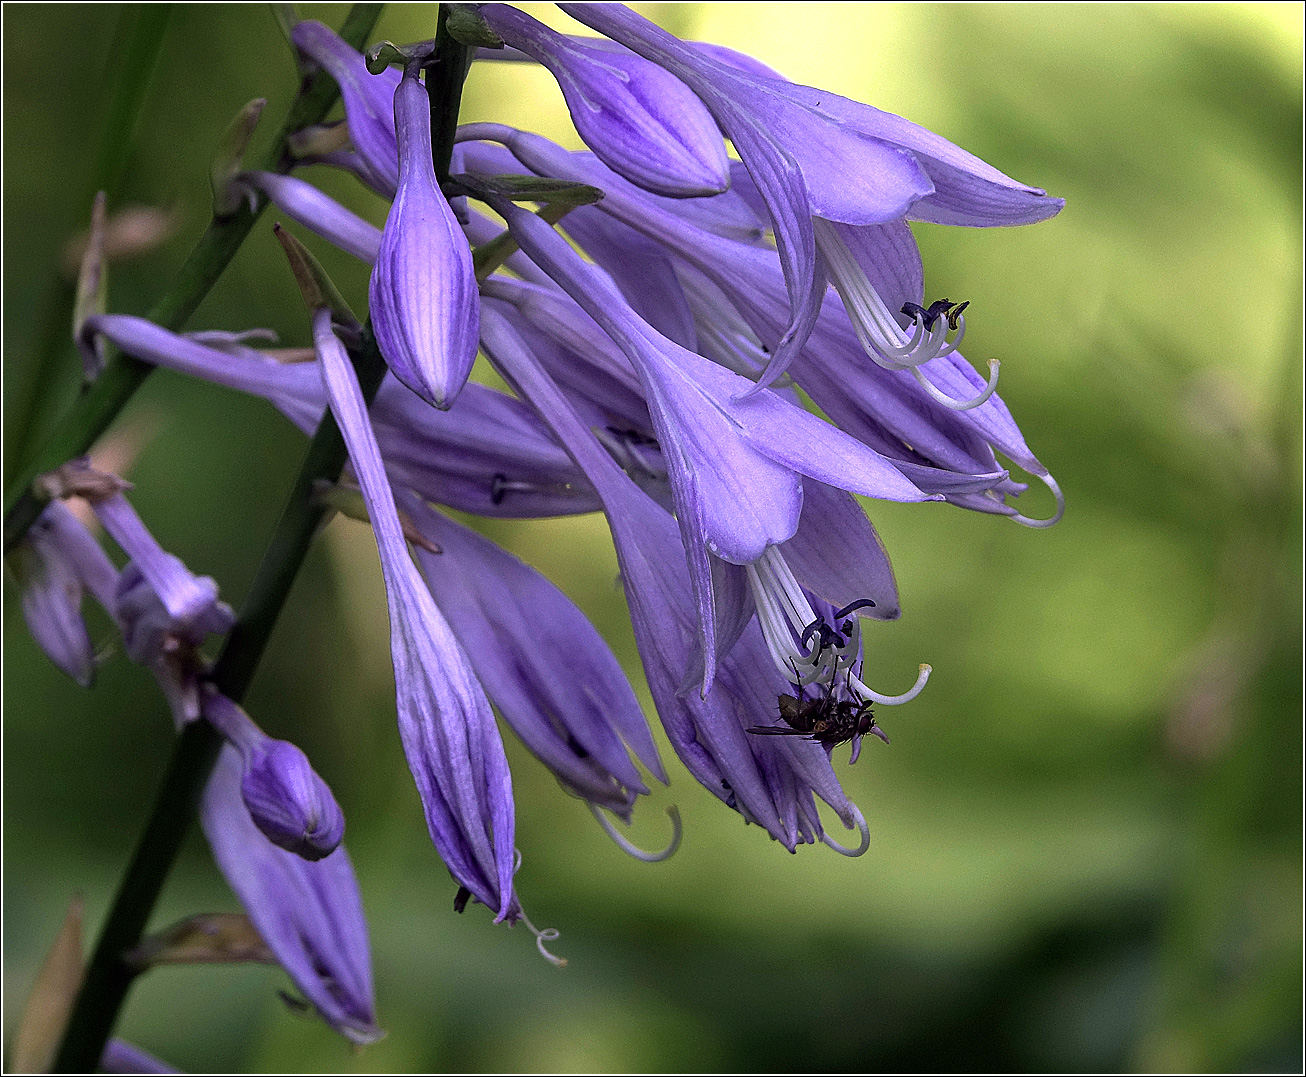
(286, 798)
(641, 121)
(423, 299)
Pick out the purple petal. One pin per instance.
(368, 98)
(319, 213)
(547, 670)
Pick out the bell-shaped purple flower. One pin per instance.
(423, 297)
(815, 154)
(734, 464)
(368, 98)
(448, 731)
(310, 913)
(286, 799)
(770, 781)
(641, 120)
(57, 562)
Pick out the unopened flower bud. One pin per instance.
(286, 798)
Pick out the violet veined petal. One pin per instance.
(448, 732)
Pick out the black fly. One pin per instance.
(826, 720)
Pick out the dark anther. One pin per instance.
(826, 635)
(497, 488)
(860, 604)
(461, 898)
(940, 308)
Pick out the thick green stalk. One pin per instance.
(445, 75)
(97, 407)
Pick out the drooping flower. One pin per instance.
(309, 913)
(58, 561)
(448, 732)
(543, 665)
(733, 463)
(770, 781)
(422, 297)
(813, 154)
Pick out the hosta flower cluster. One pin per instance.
(656, 306)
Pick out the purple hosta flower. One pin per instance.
(122, 1057)
(813, 154)
(734, 286)
(642, 121)
(287, 800)
(770, 781)
(449, 735)
(319, 213)
(490, 455)
(734, 464)
(58, 561)
(309, 913)
(423, 298)
(544, 666)
(368, 98)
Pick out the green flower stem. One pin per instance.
(101, 402)
(109, 977)
(445, 75)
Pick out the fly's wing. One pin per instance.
(778, 731)
(801, 714)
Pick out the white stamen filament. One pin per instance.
(865, 830)
(1051, 484)
(784, 613)
(883, 339)
(548, 934)
(628, 847)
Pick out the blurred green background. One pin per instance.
(1086, 834)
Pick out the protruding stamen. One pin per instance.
(865, 830)
(628, 847)
(953, 403)
(548, 934)
(1051, 484)
(922, 679)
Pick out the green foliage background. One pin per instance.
(1086, 834)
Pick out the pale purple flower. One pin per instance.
(449, 736)
(309, 913)
(641, 120)
(423, 297)
(734, 463)
(57, 562)
(813, 154)
(289, 803)
(770, 781)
